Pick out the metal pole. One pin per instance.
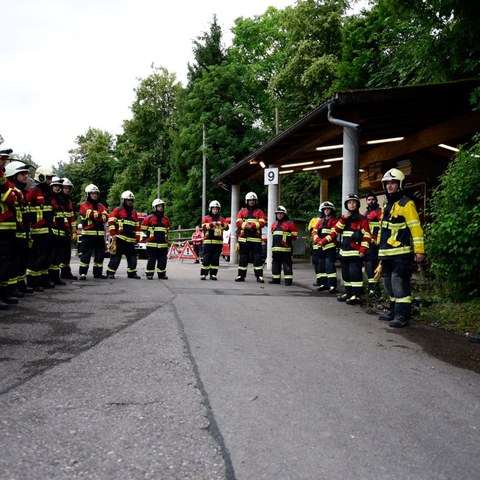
(234, 208)
(273, 200)
(204, 177)
(351, 160)
(159, 178)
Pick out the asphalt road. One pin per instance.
(190, 379)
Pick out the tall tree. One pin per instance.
(145, 145)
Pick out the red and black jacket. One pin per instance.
(373, 216)
(209, 229)
(284, 233)
(123, 222)
(157, 227)
(322, 230)
(40, 210)
(94, 216)
(253, 218)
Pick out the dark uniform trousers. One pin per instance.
(39, 262)
(352, 276)
(250, 251)
(211, 258)
(157, 257)
(327, 272)
(127, 249)
(92, 244)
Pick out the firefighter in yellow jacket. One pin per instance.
(400, 244)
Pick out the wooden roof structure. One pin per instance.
(423, 117)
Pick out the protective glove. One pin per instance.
(378, 272)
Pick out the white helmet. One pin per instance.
(327, 204)
(394, 174)
(56, 181)
(214, 203)
(281, 209)
(67, 182)
(157, 201)
(41, 174)
(91, 189)
(127, 195)
(15, 167)
(250, 196)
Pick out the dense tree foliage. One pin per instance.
(454, 232)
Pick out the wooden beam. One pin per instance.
(458, 127)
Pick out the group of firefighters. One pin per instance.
(38, 225)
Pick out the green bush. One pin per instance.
(453, 235)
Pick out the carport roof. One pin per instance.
(425, 116)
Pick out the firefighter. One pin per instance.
(315, 247)
(8, 200)
(373, 214)
(94, 215)
(400, 244)
(213, 226)
(71, 231)
(17, 173)
(60, 227)
(157, 226)
(125, 231)
(250, 221)
(355, 241)
(197, 242)
(284, 233)
(39, 199)
(326, 255)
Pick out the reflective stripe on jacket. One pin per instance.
(157, 228)
(284, 232)
(400, 230)
(250, 223)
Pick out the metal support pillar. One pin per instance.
(273, 201)
(351, 161)
(234, 208)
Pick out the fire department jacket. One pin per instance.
(63, 217)
(355, 234)
(400, 230)
(41, 211)
(373, 216)
(22, 214)
(93, 218)
(321, 230)
(246, 218)
(8, 201)
(157, 228)
(284, 233)
(209, 229)
(123, 222)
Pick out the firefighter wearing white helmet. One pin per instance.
(17, 174)
(8, 210)
(325, 256)
(60, 240)
(250, 221)
(94, 215)
(39, 198)
(314, 247)
(157, 225)
(284, 233)
(213, 225)
(355, 240)
(71, 231)
(124, 229)
(400, 243)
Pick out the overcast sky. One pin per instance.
(67, 65)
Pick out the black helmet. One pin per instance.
(351, 196)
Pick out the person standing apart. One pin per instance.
(373, 214)
(355, 241)
(326, 255)
(213, 225)
(94, 215)
(157, 226)
(401, 242)
(284, 233)
(125, 231)
(250, 221)
(197, 240)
